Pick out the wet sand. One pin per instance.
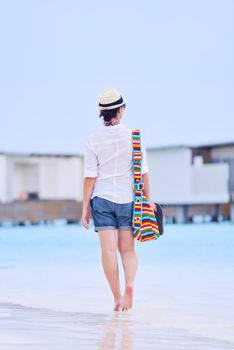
(30, 328)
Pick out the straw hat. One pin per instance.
(110, 99)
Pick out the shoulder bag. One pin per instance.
(147, 223)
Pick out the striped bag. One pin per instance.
(144, 222)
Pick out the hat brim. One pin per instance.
(111, 107)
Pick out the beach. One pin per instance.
(54, 294)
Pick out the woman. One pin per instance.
(108, 188)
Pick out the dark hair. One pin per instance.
(108, 114)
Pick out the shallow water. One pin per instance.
(54, 295)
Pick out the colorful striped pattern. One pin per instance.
(144, 222)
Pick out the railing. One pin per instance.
(35, 211)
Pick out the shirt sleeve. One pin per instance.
(90, 161)
(144, 163)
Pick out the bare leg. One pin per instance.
(110, 263)
(129, 260)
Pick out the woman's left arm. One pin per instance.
(90, 176)
(88, 189)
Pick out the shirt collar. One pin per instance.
(117, 126)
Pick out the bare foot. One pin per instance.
(126, 301)
(117, 304)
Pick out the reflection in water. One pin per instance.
(118, 332)
(24, 327)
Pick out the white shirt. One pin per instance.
(108, 156)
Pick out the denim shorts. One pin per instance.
(109, 215)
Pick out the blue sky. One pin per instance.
(171, 60)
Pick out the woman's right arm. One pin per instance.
(146, 191)
(145, 175)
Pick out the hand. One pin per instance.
(152, 204)
(85, 218)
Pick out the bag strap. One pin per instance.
(138, 184)
(137, 156)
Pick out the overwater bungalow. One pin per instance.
(189, 181)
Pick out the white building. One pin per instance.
(179, 175)
(43, 176)
(219, 153)
(176, 177)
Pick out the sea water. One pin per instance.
(53, 293)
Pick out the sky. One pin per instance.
(172, 61)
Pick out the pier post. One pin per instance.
(232, 212)
(215, 217)
(182, 214)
